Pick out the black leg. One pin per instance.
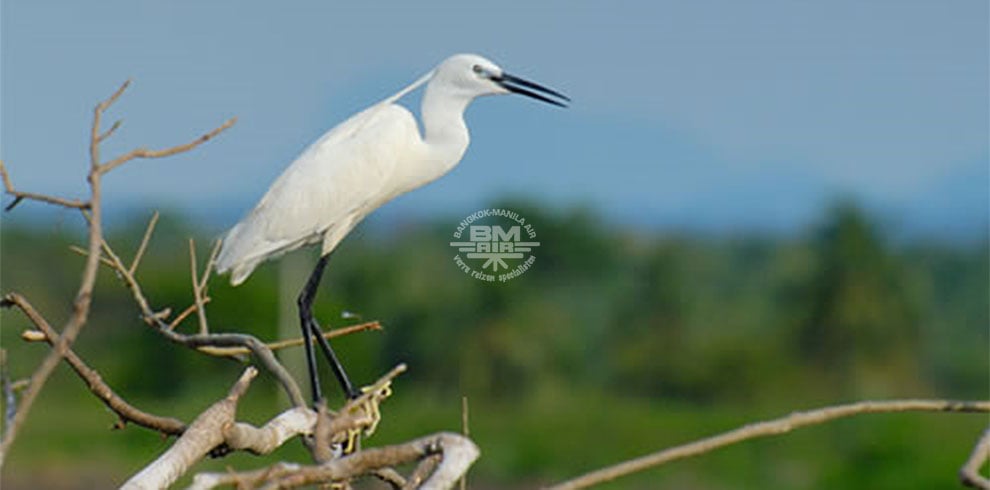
(305, 303)
(335, 365)
(311, 330)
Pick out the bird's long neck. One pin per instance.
(444, 132)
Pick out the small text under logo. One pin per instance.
(499, 242)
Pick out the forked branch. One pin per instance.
(20, 195)
(93, 210)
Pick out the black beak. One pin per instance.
(529, 89)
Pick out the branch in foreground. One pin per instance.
(204, 434)
(458, 453)
(216, 428)
(970, 472)
(768, 428)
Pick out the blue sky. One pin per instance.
(713, 115)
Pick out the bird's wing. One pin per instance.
(327, 190)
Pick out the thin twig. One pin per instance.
(144, 243)
(146, 153)
(209, 264)
(260, 351)
(81, 251)
(768, 428)
(94, 133)
(185, 313)
(106, 134)
(282, 344)
(197, 291)
(20, 196)
(466, 430)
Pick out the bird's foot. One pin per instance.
(365, 413)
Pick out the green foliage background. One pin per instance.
(616, 343)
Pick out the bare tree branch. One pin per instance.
(185, 314)
(293, 342)
(204, 434)
(288, 424)
(113, 127)
(146, 153)
(456, 451)
(423, 470)
(144, 243)
(458, 455)
(969, 474)
(466, 430)
(244, 479)
(261, 353)
(768, 428)
(225, 344)
(20, 196)
(390, 476)
(154, 319)
(80, 307)
(83, 299)
(95, 383)
(197, 287)
(215, 429)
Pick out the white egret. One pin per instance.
(356, 167)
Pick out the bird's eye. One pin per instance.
(477, 69)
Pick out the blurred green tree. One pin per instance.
(862, 328)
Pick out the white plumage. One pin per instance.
(356, 167)
(364, 162)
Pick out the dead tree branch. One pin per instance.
(329, 434)
(204, 434)
(216, 427)
(768, 428)
(156, 320)
(144, 243)
(95, 383)
(969, 474)
(293, 422)
(84, 294)
(297, 341)
(146, 153)
(199, 286)
(20, 196)
(457, 454)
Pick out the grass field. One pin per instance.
(68, 444)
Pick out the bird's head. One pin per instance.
(472, 76)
